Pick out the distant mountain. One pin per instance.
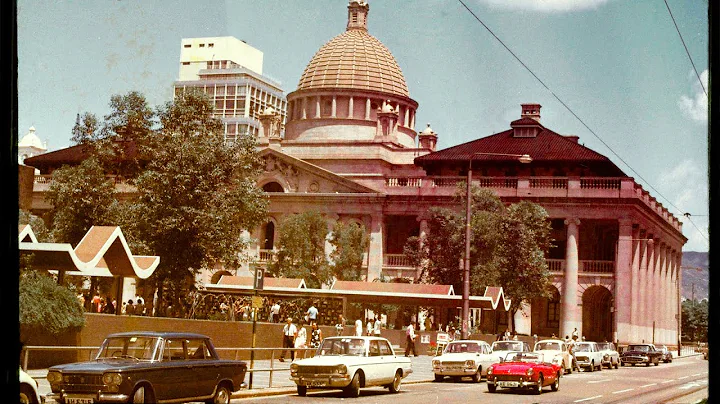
(699, 277)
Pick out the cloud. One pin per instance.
(695, 106)
(545, 5)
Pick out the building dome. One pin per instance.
(354, 60)
(31, 140)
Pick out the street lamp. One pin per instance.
(523, 158)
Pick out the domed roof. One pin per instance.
(31, 140)
(354, 60)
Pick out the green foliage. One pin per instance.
(44, 305)
(694, 320)
(350, 242)
(81, 196)
(41, 231)
(301, 249)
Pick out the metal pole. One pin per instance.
(678, 280)
(253, 312)
(466, 270)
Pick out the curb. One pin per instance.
(278, 391)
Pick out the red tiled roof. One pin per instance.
(417, 288)
(72, 155)
(267, 282)
(547, 146)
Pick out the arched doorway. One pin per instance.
(596, 314)
(268, 240)
(217, 275)
(273, 187)
(545, 314)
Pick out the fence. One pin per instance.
(270, 369)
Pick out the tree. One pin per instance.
(301, 249)
(46, 306)
(86, 129)
(350, 241)
(196, 194)
(695, 319)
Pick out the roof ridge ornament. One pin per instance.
(357, 14)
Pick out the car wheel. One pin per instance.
(617, 364)
(556, 386)
(353, 389)
(539, 387)
(600, 368)
(395, 385)
(27, 395)
(657, 363)
(592, 366)
(477, 376)
(143, 395)
(439, 378)
(302, 390)
(566, 370)
(492, 387)
(222, 395)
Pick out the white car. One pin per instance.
(611, 357)
(501, 348)
(350, 363)
(557, 351)
(463, 358)
(28, 389)
(588, 355)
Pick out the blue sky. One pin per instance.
(619, 65)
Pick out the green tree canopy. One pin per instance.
(350, 241)
(694, 320)
(46, 306)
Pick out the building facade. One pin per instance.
(350, 151)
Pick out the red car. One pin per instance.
(521, 370)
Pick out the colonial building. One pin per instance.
(350, 150)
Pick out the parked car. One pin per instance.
(28, 389)
(611, 357)
(588, 355)
(640, 353)
(351, 363)
(666, 355)
(149, 367)
(501, 348)
(555, 351)
(520, 370)
(464, 358)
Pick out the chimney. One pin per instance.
(531, 111)
(357, 14)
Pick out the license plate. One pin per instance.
(509, 384)
(78, 400)
(317, 384)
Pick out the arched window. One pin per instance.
(273, 187)
(269, 236)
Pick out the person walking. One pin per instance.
(130, 307)
(369, 327)
(376, 327)
(340, 326)
(312, 314)
(410, 339)
(289, 334)
(358, 328)
(315, 336)
(301, 340)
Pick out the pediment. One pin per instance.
(298, 176)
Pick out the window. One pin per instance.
(202, 45)
(374, 348)
(198, 349)
(173, 350)
(385, 348)
(187, 45)
(210, 45)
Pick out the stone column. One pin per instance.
(333, 113)
(367, 109)
(665, 296)
(571, 315)
(351, 107)
(649, 289)
(423, 238)
(304, 108)
(635, 285)
(317, 107)
(375, 255)
(641, 324)
(655, 301)
(623, 283)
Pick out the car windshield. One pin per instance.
(547, 346)
(507, 346)
(458, 347)
(342, 346)
(530, 357)
(641, 348)
(132, 347)
(606, 347)
(582, 348)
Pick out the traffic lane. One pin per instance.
(625, 385)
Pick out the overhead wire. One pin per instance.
(686, 49)
(576, 116)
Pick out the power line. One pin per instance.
(686, 49)
(574, 114)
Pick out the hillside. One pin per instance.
(699, 277)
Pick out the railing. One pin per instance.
(549, 182)
(265, 255)
(305, 352)
(396, 260)
(585, 266)
(404, 182)
(600, 183)
(556, 265)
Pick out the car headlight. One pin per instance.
(490, 370)
(529, 371)
(54, 377)
(469, 364)
(436, 363)
(341, 369)
(112, 379)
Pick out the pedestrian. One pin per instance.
(535, 339)
(96, 303)
(315, 336)
(575, 334)
(301, 339)
(506, 336)
(340, 326)
(514, 338)
(289, 334)
(358, 328)
(410, 339)
(567, 339)
(369, 327)
(275, 312)
(571, 350)
(139, 307)
(130, 307)
(312, 313)
(376, 327)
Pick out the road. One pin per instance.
(685, 380)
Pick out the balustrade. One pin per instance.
(396, 260)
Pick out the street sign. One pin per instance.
(257, 302)
(259, 277)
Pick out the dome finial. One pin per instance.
(357, 14)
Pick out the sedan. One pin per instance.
(28, 389)
(639, 354)
(464, 358)
(149, 367)
(350, 363)
(611, 357)
(666, 354)
(522, 371)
